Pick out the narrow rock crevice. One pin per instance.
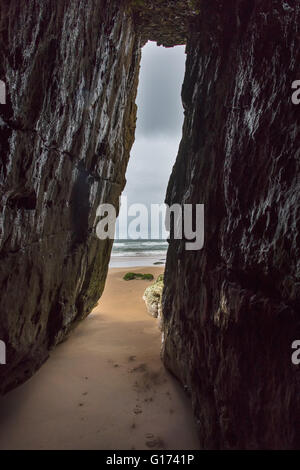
(230, 310)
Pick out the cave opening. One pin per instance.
(140, 231)
(118, 340)
(69, 74)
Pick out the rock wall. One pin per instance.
(164, 21)
(71, 71)
(231, 310)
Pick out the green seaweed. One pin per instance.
(131, 276)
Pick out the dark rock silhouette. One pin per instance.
(71, 73)
(231, 310)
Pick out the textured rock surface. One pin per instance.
(231, 311)
(153, 297)
(164, 21)
(70, 69)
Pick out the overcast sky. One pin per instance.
(159, 125)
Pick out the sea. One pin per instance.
(142, 252)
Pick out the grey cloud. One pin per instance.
(159, 101)
(149, 169)
(159, 125)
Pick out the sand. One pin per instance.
(104, 388)
(135, 261)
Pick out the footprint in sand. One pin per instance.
(156, 443)
(137, 410)
(148, 400)
(140, 368)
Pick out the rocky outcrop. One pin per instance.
(71, 70)
(153, 297)
(165, 21)
(231, 310)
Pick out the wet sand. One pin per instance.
(104, 388)
(136, 261)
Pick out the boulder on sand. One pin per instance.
(152, 297)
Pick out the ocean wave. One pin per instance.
(140, 247)
(154, 243)
(140, 254)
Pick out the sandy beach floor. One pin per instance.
(136, 261)
(104, 388)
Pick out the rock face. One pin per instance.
(164, 21)
(71, 71)
(231, 310)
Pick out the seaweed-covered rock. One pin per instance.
(152, 297)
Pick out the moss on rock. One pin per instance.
(153, 296)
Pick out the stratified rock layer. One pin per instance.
(70, 69)
(231, 310)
